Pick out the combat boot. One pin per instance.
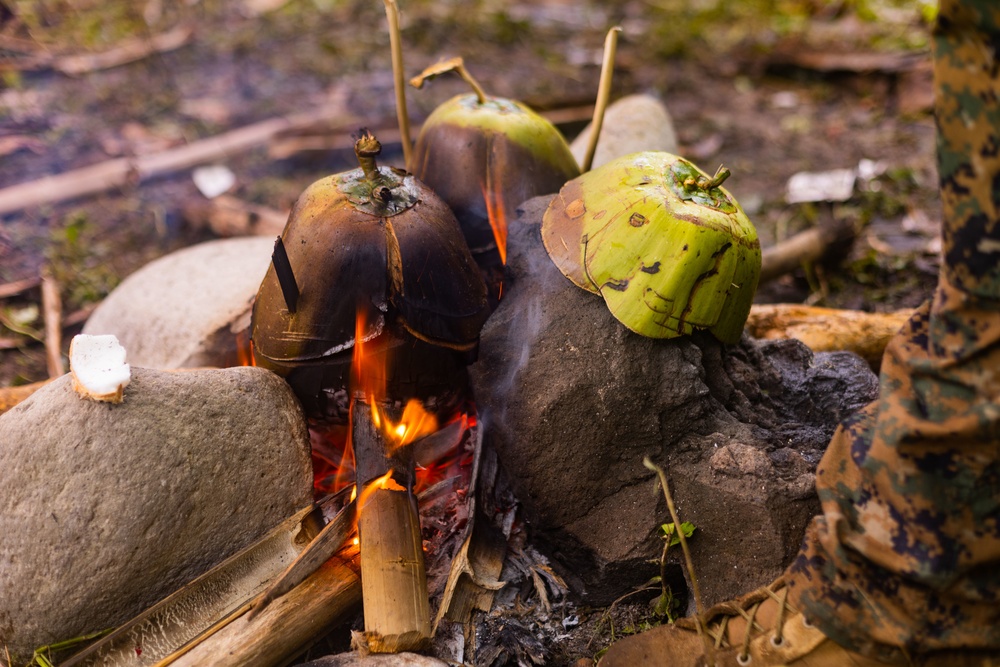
(760, 628)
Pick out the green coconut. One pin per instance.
(668, 248)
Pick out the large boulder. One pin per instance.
(573, 401)
(187, 309)
(107, 508)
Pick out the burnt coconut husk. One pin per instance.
(378, 244)
(480, 152)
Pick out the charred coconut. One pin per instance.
(372, 245)
(484, 155)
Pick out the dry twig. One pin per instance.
(128, 51)
(809, 246)
(18, 286)
(52, 316)
(121, 171)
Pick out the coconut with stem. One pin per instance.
(377, 244)
(484, 155)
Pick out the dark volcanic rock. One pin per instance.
(573, 401)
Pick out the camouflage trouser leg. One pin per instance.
(905, 557)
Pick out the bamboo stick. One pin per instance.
(180, 618)
(288, 626)
(329, 541)
(397, 609)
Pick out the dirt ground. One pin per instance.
(770, 88)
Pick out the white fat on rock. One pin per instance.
(98, 367)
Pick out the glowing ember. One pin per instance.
(496, 213)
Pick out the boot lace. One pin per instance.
(713, 628)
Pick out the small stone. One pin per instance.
(738, 459)
(106, 509)
(632, 124)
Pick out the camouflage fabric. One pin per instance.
(905, 558)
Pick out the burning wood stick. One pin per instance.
(475, 571)
(394, 583)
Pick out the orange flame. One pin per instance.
(384, 482)
(415, 423)
(368, 373)
(369, 378)
(244, 349)
(496, 213)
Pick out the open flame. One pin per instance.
(496, 213)
(244, 349)
(332, 456)
(368, 372)
(415, 423)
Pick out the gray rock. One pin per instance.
(106, 508)
(573, 401)
(631, 124)
(186, 309)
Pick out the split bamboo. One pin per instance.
(396, 605)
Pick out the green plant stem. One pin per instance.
(688, 562)
(663, 568)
